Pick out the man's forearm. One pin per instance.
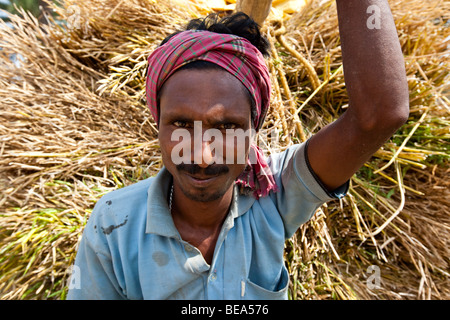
(373, 61)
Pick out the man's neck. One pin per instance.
(200, 223)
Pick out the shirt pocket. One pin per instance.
(252, 291)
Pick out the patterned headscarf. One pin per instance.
(235, 55)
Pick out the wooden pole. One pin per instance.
(44, 9)
(256, 9)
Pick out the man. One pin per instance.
(206, 228)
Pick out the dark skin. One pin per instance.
(201, 200)
(379, 104)
(377, 87)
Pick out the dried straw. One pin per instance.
(74, 126)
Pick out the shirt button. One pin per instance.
(188, 248)
(213, 277)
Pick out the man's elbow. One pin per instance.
(398, 116)
(386, 120)
(395, 106)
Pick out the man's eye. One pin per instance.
(180, 124)
(227, 126)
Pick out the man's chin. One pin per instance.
(203, 195)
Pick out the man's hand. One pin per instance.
(376, 82)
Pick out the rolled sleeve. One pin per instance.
(300, 192)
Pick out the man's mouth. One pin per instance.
(201, 180)
(202, 177)
(196, 171)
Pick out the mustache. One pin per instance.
(212, 170)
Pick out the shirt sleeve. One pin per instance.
(93, 276)
(300, 192)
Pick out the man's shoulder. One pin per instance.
(122, 204)
(127, 194)
(119, 212)
(277, 160)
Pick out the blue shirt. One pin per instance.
(131, 249)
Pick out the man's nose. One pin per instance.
(207, 155)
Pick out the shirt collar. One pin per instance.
(159, 219)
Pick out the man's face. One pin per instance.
(205, 106)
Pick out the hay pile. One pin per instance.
(74, 125)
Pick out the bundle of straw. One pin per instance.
(74, 125)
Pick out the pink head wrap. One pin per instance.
(235, 55)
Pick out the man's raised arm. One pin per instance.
(377, 87)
